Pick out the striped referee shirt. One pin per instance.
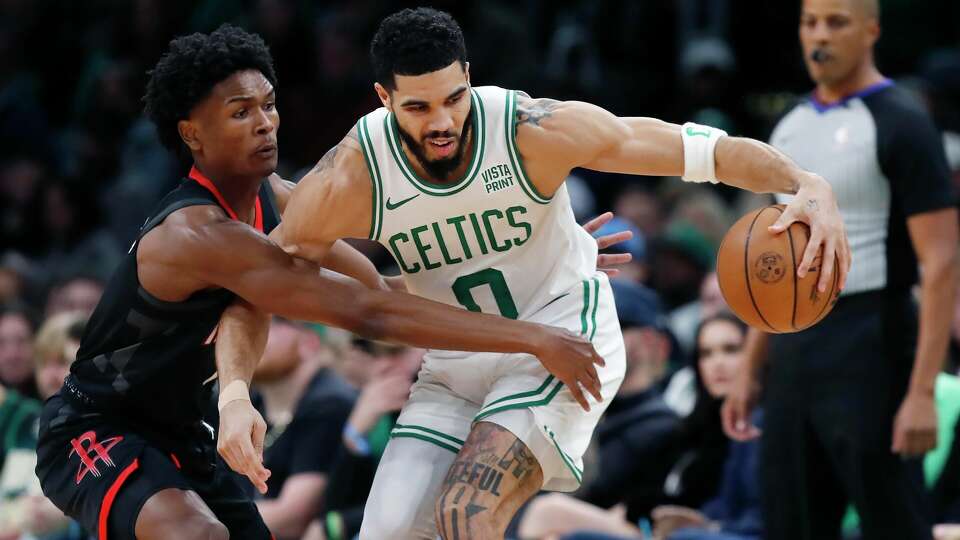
(883, 157)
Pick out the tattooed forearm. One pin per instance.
(813, 205)
(534, 111)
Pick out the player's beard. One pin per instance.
(439, 168)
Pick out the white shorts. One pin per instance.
(456, 389)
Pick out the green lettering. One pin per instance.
(493, 238)
(423, 248)
(396, 253)
(456, 222)
(476, 230)
(523, 224)
(443, 246)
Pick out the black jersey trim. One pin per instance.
(272, 202)
(210, 298)
(183, 203)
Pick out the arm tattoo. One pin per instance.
(328, 159)
(813, 205)
(533, 111)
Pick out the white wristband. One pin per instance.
(235, 391)
(699, 143)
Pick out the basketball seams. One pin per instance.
(746, 269)
(793, 257)
(829, 302)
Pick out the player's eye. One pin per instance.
(242, 113)
(416, 108)
(456, 98)
(269, 106)
(837, 22)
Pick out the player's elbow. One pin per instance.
(371, 316)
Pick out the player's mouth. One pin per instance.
(820, 55)
(443, 146)
(266, 151)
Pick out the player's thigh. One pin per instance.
(405, 488)
(177, 513)
(493, 476)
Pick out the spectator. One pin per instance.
(76, 292)
(636, 271)
(18, 419)
(677, 464)
(16, 349)
(306, 404)
(56, 348)
(384, 374)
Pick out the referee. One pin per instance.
(849, 403)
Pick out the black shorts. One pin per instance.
(101, 471)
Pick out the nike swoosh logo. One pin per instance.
(692, 133)
(394, 206)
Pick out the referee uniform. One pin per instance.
(832, 391)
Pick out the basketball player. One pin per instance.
(849, 403)
(464, 186)
(122, 447)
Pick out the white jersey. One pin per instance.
(488, 242)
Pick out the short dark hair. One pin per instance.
(414, 42)
(191, 67)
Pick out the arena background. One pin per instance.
(80, 165)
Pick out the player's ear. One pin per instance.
(188, 134)
(873, 31)
(383, 93)
(466, 72)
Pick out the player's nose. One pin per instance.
(441, 122)
(265, 123)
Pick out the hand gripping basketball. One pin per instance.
(777, 273)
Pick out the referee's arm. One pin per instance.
(914, 161)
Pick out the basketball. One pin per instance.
(757, 271)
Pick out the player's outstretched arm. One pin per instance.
(555, 136)
(198, 247)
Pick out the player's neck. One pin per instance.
(863, 77)
(240, 193)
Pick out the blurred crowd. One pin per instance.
(80, 166)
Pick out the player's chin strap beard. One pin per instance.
(440, 168)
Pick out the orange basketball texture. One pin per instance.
(757, 271)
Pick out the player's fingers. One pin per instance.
(610, 272)
(615, 238)
(594, 224)
(591, 382)
(898, 445)
(610, 259)
(826, 265)
(578, 395)
(597, 360)
(809, 254)
(786, 218)
(842, 264)
(259, 432)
